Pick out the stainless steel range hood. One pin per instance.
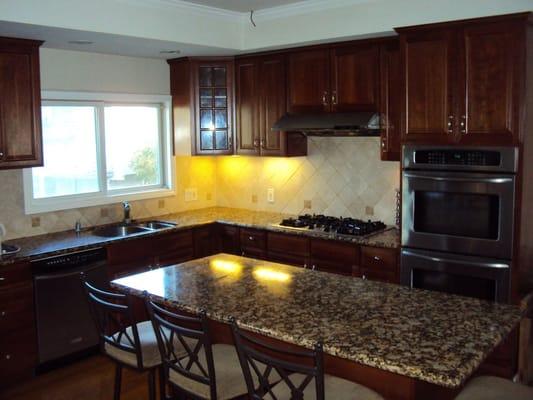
(363, 123)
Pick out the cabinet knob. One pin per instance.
(462, 124)
(2, 314)
(383, 143)
(8, 356)
(1, 154)
(250, 238)
(364, 276)
(256, 143)
(313, 267)
(334, 97)
(377, 258)
(325, 98)
(262, 143)
(450, 124)
(305, 266)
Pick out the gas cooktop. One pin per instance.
(327, 224)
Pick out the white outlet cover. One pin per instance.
(191, 194)
(270, 195)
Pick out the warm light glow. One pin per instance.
(269, 274)
(228, 267)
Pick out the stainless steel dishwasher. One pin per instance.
(64, 324)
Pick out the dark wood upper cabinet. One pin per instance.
(261, 100)
(308, 81)
(20, 104)
(428, 104)
(463, 81)
(354, 78)
(390, 100)
(204, 89)
(490, 59)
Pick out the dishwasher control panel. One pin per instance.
(69, 260)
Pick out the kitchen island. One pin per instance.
(404, 343)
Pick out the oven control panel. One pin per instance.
(457, 157)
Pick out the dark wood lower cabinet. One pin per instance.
(253, 243)
(337, 257)
(205, 243)
(379, 264)
(228, 239)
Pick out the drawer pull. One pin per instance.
(8, 356)
(2, 314)
(250, 238)
(364, 276)
(313, 267)
(377, 258)
(305, 266)
(2, 279)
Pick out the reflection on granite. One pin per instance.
(431, 336)
(56, 243)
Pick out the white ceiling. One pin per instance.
(244, 5)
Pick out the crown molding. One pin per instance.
(185, 6)
(304, 7)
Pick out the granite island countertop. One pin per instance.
(47, 245)
(434, 337)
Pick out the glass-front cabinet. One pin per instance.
(202, 99)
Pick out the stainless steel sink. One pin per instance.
(156, 225)
(120, 230)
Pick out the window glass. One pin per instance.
(69, 148)
(132, 143)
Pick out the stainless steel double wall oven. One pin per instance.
(458, 219)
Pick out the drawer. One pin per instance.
(286, 258)
(288, 244)
(16, 309)
(376, 258)
(15, 274)
(335, 252)
(382, 275)
(253, 239)
(254, 253)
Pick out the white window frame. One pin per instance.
(105, 196)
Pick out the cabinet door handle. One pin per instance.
(2, 279)
(462, 124)
(250, 238)
(450, 124)
(313, 267)
(262, 143)
(230, 141)
(377, 258)
(305, 266)
(334, 97)
(2, 314)
(1, 154)
(256, 143)
(325, 98)
(364, 276)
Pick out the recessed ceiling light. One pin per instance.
(169, 52)
(82, 42)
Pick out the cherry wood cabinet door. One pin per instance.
(308, 81)
(272, 103)
(489, 83)
(20, 104)
(337, 257)
(355, 78)
(228, 239)
(390, 100)
(429, 76)
(246, 111)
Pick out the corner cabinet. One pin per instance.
(462, 81)
(20, 104)
(260, 100)
(202, 102)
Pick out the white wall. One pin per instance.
(82, 71)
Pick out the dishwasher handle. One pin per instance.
(70, 272)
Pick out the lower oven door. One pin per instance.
(477, 277)
(458, 212)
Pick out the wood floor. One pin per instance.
(90, 379)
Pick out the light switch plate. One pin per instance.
(369, 210)
(270, 195)
(191, 194)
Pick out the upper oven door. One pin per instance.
(458, 212)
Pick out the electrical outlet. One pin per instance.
(270, 195)
(208, 196)
(35, 222)
(254, 198)
(191, 194)
(307, 204)
(161, 204)
(104, 212)
(369, 210)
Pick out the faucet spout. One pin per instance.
(126, 208)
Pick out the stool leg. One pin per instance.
(118, 381)
(162, 383)
(151, 384)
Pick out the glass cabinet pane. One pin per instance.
(206, 98)
(221, 120)
(220, 98)
(219, 76)
(206, 140)
(221, 140)
(205, 76)
(206, 119)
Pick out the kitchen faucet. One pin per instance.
(126, 208)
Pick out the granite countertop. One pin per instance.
(40, 246)
(431, 336)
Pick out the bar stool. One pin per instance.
(204, 371)
(259, 360)
(129, 344)
(495, 388)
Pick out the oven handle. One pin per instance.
(458, 179)
(455, 260)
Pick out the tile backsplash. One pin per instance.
(340, 177)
